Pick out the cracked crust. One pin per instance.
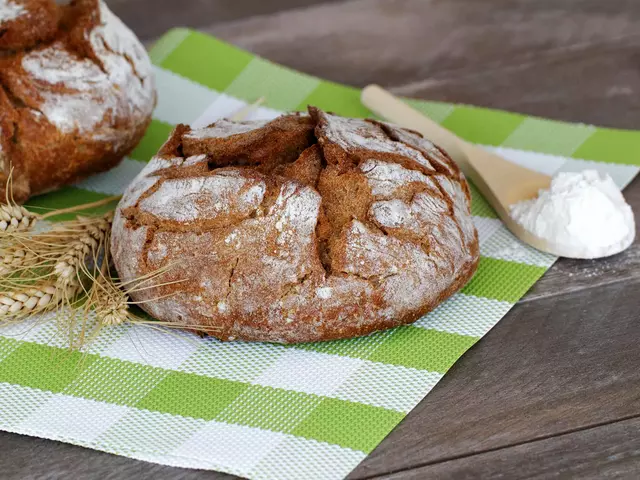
(76, 93)
(305, 228)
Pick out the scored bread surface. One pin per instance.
(304, 228)
(76, 92)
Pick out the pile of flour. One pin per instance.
(583, 214)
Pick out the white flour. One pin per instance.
(205, 198)
(10, 10)
(225, 128)
(583, 213)
(385, 178)
(93, 96)
(352, 133)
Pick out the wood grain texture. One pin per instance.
(554, 389)
(27, 458)
(151, 18)
(573, 59)
(609, 451)
(551, 366)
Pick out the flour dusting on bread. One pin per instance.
(428, 149)
(386, 177)
(10, 10)
(362, 134)
(93, 93)
(189, 199)
(225, 128)
(263, 252)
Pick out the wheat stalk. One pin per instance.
(83, 248)
(245, 111)
(115, 312)
(78, 208)
(40, 272)
(111, 302)
(14, 217)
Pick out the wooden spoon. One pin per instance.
(244, 112)
(502, 183)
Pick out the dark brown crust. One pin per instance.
(43, 157)
(286, 306)
(38, 24)
(279, 142)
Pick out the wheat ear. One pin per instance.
(110, 301)
(38, 298)
(16, 218)
(85, 247)
(15, 259)
(112, 305)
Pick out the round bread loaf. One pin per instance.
(76, 92)
(303, 228)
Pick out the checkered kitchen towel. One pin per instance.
(264, 411)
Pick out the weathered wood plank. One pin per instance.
(555, 364)
(609, 451)
(151, 18)
(572, 60)
(551, 366)
(605, 93)
(25, 458)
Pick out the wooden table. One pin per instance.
(554, 389)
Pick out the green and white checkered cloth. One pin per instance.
(265, 411)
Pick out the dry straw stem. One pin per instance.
(110, 301)
(67, 270)
(79, 208)
(14, 217)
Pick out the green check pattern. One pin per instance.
(265, 411)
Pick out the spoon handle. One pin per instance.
(500, 181)
(388, 106)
